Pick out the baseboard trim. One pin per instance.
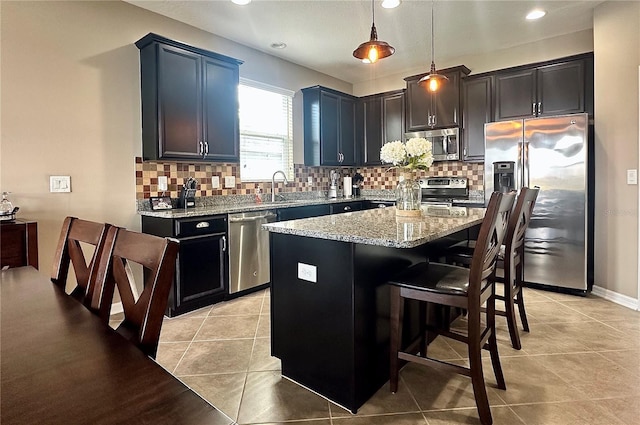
(615, 297)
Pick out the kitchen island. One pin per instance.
(329, 298)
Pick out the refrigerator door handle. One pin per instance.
(525, 163)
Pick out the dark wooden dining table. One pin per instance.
(61, 365)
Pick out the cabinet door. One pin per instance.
(419, 104)
(560, 88)
(446, 103)
(329, 128)
(347, 130)
(515, 95)
(220, 110)
(393, 117)
(476, 100)
(201, 271)
(344, 207)
(372, 114)
(180, 103)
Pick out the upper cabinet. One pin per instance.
(550, 89)
(329, 127)
(426, 110)
(478, 110)
(383, 117)
(189, 102)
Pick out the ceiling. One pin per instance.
(322, 34)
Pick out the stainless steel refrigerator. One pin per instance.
(554, 154)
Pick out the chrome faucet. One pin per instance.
(273, 184)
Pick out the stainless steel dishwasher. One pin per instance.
(249, 250)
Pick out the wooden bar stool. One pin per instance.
(142, 316)
(74, 233)
(510, 266)
(453, 286)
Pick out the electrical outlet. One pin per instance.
(632, 176)
(309, 180)
(215, 182)
(229, 182)
(162, 183)
(307, 272)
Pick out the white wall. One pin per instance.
(70, 105)
(617, 57)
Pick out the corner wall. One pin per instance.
(616, 61)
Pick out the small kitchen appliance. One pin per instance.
(7, 210)
(357, 182)
(333, 189)
(187, 197)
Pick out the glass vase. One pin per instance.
(408, 196)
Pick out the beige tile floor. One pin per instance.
(579, 365)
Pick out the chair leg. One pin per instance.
(396, 317)
(477, 376)
(493, 343)
(520, 299)
(509, 307)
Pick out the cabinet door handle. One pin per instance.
(224, 244)
(347, 208)
(200, 148)
(206, 150)
(539, 108)
(533, 109)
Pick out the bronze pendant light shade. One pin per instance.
(433, 80)
(373, 49)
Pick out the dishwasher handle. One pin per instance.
(250, 219)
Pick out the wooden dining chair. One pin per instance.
(510, 265)
(74, 234)
(452, 286)
(142, 316)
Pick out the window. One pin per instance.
(266, 131)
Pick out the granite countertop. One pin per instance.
(224, 208)
(381, 227)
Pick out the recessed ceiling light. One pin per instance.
(390, 4)
(241, 2)
(278, 45)
(536, 14)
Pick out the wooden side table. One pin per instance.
(19, 243)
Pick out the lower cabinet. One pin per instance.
(202, 275)
(294, 213)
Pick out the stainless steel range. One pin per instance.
(444, 191)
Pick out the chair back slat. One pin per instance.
(520, 218)
(490, 238)
(142, 316)
(69, 251)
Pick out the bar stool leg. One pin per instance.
(493, 343)
(396, 317)
(520, 299)
(475, 363)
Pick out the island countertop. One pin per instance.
(381, 227)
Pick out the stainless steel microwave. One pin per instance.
(445, 143)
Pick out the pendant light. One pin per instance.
(433, 80)
(372, 50)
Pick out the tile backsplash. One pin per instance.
(375, 177)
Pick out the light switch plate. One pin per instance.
(229, 182)
(632, 176)
(162, 183)
(215, 182)
(59, 184)
(307, 272)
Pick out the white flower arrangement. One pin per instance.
(415, 154)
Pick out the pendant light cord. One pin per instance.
(373, 13)
(432, 32)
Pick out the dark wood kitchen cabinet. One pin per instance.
(551, 88)
(426, 110)
(189, 102)
(329, 127)
(18, 243)
(478, 110)
(382, 116)
(202, 275)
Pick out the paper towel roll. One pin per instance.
(347, 187)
